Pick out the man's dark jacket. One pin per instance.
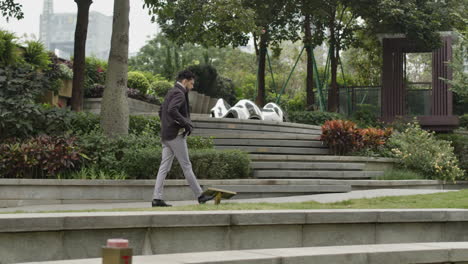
(174, 113)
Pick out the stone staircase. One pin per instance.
(281, 150)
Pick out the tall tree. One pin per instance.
(11, 9)
(227, 22)
(114, 111)
(79, 55)
(312, 37)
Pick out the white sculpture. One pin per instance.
(246, 109)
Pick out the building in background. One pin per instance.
(57, 31)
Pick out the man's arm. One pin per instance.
(173, 110)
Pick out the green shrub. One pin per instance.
(143, 163)
(65, 72)
(95, 72)
(35, 54)
(9, 54)
(420, 151)
(160, 88)
(366, 115)
(139, 123)
(460, 145)
(86, 122)
(137, 80)
(93, 173)
(39, 157)
(313, 117)
(464, 121)
(20, 115)
(197, 142)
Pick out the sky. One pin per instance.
(141, 27)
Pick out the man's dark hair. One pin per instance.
(185, 74)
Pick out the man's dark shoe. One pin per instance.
(204, 198)
(160, 203)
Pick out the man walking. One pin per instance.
(175, 127)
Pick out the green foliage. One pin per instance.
(93, 173)
(95, 72)
(197, 142)
(366, 115)
(9, 8)
(39, 157)
(65, 72)
(20, 115)
(35, 54)
(460, 148)
(464, 121)
(313, 117)
(140, 124)
(86, 123)
(137, 80)
(139, 157)
(143, 163)
(160, 88)
(9, 54)
(420, 151)
(208, 82)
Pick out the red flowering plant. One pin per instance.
(341, 136)
(374, 138)
(39, 157)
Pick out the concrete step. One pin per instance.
(268, 142)
(288, 165)
(276, 136)
(255, 127)
(301, 174)
(204, 119)
(278, 150)
(317, 158)
(263, 134)
(252, 191)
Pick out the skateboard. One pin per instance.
(219, 194)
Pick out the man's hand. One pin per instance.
(188, 129)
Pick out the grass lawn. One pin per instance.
(457, 199)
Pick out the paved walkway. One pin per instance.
(321, 198)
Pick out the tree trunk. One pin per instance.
(333, 91)
(260, 100)
(114, 110)
(79, 54)
(310, 69)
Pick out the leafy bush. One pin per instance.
(420, 151)
(39, 157)
(313, 117)
(366, 115)
(95, 72)
(86, 122)
(9, 54)
(464, 121)
(139, 123)
(66, 73)
(136, 80)
(374, 138)
(20, 115)
(341, 136)
(95, 91)
(143, 163)
(36, 55)
(460, 145)
(160, 88)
